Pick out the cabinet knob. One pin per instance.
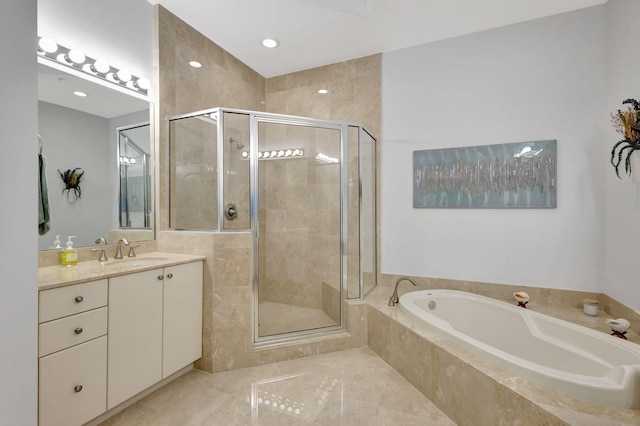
(78, 388)
(169, 275)
(79, 299)
(78, 330)
(161, 277)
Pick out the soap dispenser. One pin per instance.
(56, 244)
(69, 255)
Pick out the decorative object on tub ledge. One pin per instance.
(590, 307)
(522, 298)
(619, 327)
(512, 175)
(627, 123)
(71, 179)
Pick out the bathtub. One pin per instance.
(557, 354)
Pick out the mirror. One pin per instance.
(88, 133)
(134, 164)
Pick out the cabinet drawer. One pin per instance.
(73, 384)
(73, 299)
(60, 334)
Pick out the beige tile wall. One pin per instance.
(194, 180)
(353, 96)
(225, 81)
(300, 212)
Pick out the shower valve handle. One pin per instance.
(231, 211)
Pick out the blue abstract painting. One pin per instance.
(512, 175)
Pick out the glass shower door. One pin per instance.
(298, 256)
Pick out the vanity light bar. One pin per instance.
(275, 154)
(323, 158)
(74, 58)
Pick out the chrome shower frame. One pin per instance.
(255, 118)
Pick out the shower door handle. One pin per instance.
(231, 211)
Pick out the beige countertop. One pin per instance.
(60, 276)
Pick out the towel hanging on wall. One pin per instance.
(44, 223)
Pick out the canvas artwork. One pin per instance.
(512, 175)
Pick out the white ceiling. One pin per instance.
(320, 32)
(57, 87)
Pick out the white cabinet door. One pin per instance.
(73, 384)
(182, 321)
(135, 334)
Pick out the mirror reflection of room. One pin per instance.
(134, 164)
(80, 132)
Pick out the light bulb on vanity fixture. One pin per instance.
(49, 50)
(47, 45)
(75, 56)
(100, 67)
(141, 83)
(122, 76)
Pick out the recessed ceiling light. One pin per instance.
(195, 64)
(79, 93)
(323, 91)
(270, 43)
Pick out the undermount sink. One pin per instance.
(137, 261)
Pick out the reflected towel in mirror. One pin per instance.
(44, 223)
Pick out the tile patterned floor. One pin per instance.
(353, 387)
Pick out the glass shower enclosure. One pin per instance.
(304, 188)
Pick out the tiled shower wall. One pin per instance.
(299, 217)
(353, 96)
(225, 81)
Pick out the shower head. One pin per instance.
(239, 145)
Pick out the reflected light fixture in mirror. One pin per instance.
(81, 132)
(47, 45)
(75, 56)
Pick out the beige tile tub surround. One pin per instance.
(563, 304)
(467, 388)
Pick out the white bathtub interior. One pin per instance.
(563, 356)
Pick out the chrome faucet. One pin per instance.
(394, 297)
(103, 253)
(119, 248)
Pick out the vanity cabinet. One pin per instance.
(135, 334)
(155, 327)
(182, 317)
(72, 364)
(102, 341)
